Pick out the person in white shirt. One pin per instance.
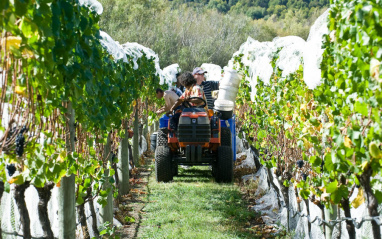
(170, 97)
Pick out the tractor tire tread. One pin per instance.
(224, 167)
(162, 139)
(226, 137)
(163, 164)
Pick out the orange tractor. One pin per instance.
(198, 140)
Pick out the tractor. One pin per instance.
(198, 140)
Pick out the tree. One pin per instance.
(219, 5)
(256, 12)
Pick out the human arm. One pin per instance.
(161, 110)
(177, 103)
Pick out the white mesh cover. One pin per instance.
(136, 51)
(293, 51)
(214, 72)
(93, 5)
(169, 73)
(113, 47)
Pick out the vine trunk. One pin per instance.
(82, 218)
(93, 215)
(23, 210)
(372, 202)
(44, 195)
(1, 195)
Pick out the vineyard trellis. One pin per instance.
(327, 140)
(66, 99)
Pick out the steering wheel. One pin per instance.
(187, 104)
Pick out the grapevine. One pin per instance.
(335, 129)
(51, 58)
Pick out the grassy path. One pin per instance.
(193, 206)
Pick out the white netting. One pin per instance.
(249, 160)
(214, 72)
(113, 47)
(136, 51)
(258, 56)
(293, 51)
(93, 5)
(313, 51)
(169, 73)
(239, 145)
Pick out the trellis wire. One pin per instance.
(332, 223)
(320, 222)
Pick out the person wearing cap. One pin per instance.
(207, 86)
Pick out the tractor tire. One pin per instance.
(175, 169)
(163, 164)
(213, 170)
(162, 139)
(225, 137)
(224, 165)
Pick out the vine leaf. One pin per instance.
(331, 187)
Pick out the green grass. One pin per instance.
(194, 206)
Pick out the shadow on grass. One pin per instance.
(194, 206)
(227, 201)
(192, 175)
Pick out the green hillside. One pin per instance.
(257, 9)
(192, 33)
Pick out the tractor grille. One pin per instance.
(194, 133)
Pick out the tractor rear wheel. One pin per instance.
(163, 164)
(224, 165)
(175, 169)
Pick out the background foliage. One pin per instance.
(195, 33)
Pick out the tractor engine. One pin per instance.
(194, 127)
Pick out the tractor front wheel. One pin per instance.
(224, 165)
(226, 138)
